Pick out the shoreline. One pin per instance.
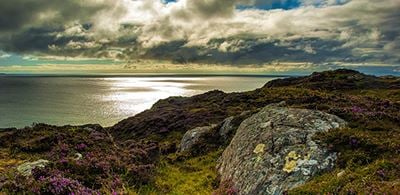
(174, 75)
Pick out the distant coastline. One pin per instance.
(139, 75)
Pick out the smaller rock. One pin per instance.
(78, 156)
(26, 168)
(193, 137)
(88, 129)
(227, 127)
(341, 173)
(230, 124)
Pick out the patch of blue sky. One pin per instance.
(323, 3)
(290, 4)
(268, 5)
(168, 1)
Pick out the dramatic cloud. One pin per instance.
(205, 31)
(17, 14)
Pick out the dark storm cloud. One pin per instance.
(252, 51)
(16, 14)
(205, 31)
(37, 39)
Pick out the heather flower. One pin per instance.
(227, 188)
(356, 109)
(57, 184)
(231, 191)
(116, 183)
(381, 173)
(63, 160)
(63, 148)
(81, 147)
(353, 142)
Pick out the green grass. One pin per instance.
(187, 176)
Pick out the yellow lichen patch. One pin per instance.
(290, 161)
(290, 165)
(293, 155)
(260, 148)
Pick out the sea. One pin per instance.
(104, 100)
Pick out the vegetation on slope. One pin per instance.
(368, 149)
(82, 160)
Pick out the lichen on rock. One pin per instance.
(290, 161)
(289, 166)
(293, 156)
(259, 149)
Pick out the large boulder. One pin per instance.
(274, 151)
(194, 138)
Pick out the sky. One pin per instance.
(229, 36)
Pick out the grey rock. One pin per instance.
(88, 129)
(193, 137)
(230, 124)
(78, 156)
(227, 127)
(26, 168)
(273, 150)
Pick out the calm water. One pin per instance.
(102, 100)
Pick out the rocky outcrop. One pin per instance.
(26, 168)
(341, 79)
(194, 137)
(274, 151)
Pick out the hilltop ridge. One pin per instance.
(340, 79)
(183, 113)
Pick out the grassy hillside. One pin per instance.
(140, 150)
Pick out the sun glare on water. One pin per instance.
(133, 95)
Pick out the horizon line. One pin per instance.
(146, 75)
